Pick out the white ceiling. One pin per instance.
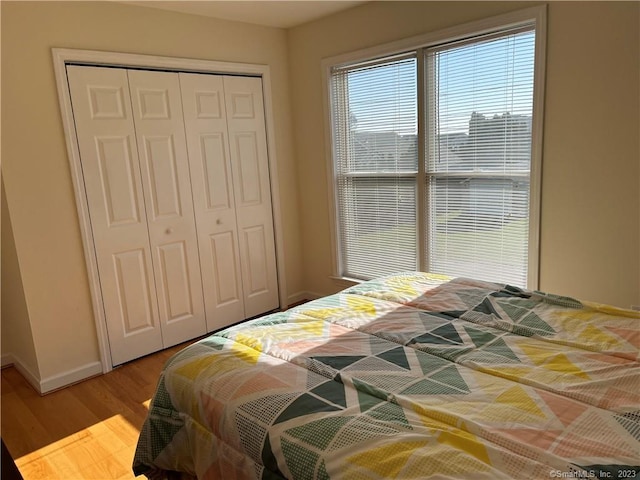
(281, 14)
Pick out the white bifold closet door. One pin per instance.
(226, 138)
(171, 194)
(159, 131)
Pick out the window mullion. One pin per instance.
(422, 211)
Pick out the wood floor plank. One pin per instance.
(56, 462)
(21, 430)
(117, 465)
(38, 470)
(5, 386)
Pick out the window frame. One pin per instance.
(419, 44)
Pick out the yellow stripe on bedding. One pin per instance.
(361, 305)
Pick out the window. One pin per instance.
(432, 157)
(375, 115)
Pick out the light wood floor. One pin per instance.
(85, 431)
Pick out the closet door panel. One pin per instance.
(218, 191)
(165, 193)
(224, 254)
(157, 112)
(106, 141)
(250, 170)
(135, 298)
(175, 278)
(213, 197)
(117, 180)
(255, 243)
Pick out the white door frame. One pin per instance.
(62, 57)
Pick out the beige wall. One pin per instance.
(591, 179)
(17, 337)
(36, 171)
(590, 231)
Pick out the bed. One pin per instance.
(409, 376)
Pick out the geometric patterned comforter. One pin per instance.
(409, 376)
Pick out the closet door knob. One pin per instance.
(218, 222)
(168, 231)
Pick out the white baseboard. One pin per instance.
(70, 377)
(301, 296)
(31, 377)
(314, 296)
(6, 360)
(55, 382)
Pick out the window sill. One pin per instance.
(345, 282)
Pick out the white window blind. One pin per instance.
(375, 125)
(476, 129)
(479, 111)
